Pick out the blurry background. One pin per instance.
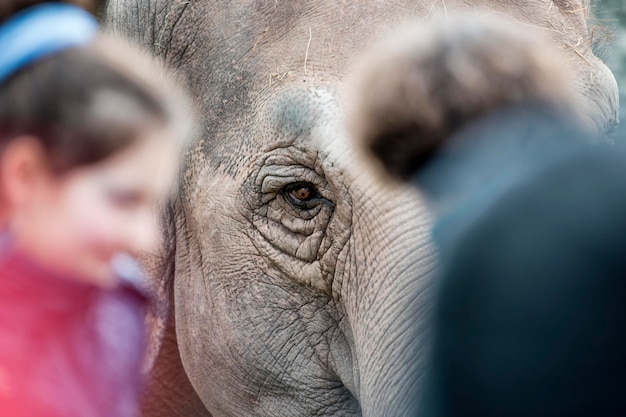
(612, 47)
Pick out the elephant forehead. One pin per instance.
(234, 57)
(308, 118)
(254, 43)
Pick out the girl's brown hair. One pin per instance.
(83, 104)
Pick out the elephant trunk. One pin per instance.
(386, 299)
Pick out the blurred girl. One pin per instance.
(86, 150)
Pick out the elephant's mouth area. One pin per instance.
(326, 402)
(313, 395)
(287, 354)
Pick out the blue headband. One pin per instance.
(41, 31)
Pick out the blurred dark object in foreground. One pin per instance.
(490, 157)
(531, 309)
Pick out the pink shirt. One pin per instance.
(67, 349)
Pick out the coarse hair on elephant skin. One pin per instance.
(300, 281)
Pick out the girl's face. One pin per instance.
(76, 223)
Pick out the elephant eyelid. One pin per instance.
(274, 179)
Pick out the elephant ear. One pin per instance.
(573, 6)
(578, 10)
(585, 6)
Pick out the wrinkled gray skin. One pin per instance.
(279, 310)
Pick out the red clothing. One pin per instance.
(67, 348)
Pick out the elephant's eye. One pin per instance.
(303, 195)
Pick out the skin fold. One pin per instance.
(293, 280)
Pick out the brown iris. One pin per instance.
(303, 193)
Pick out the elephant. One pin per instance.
(294, 281)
